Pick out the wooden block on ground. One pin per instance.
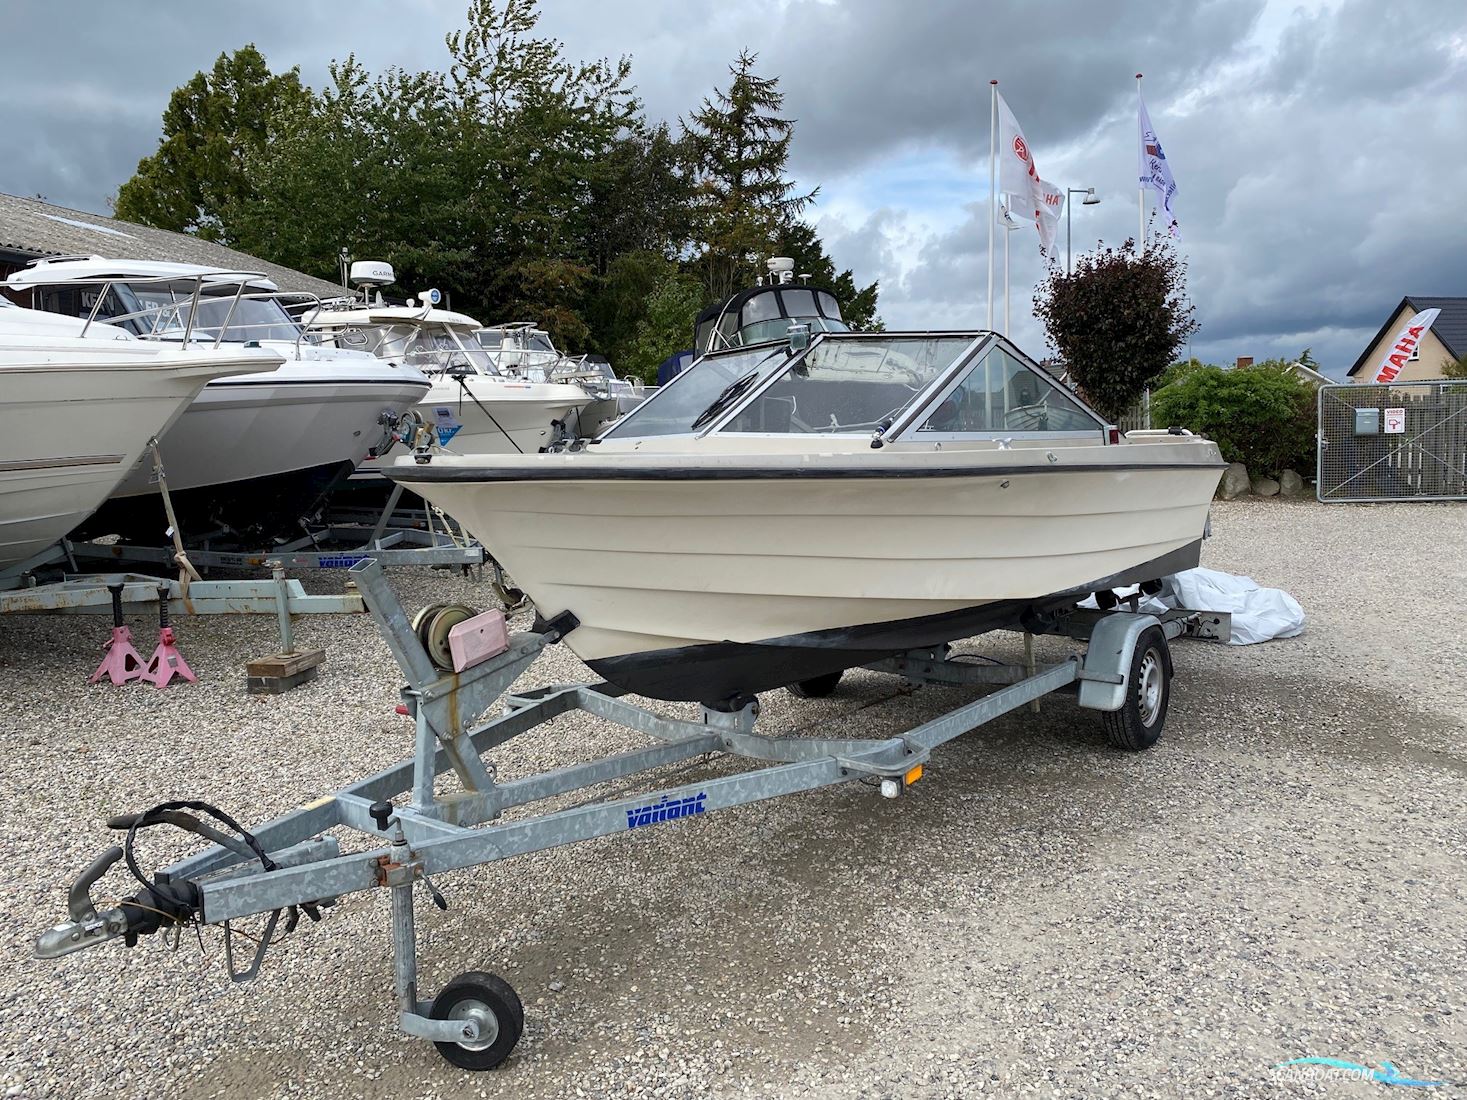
(282, 671)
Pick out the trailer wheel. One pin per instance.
(816, 687)
(1137, 725)
(492, 1003)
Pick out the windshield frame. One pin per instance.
(908, 427)
(769, 347)
(184, 312)
(977, 344)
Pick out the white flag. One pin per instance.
(1049, 215)
(1155, 172)
(1032, 199)
(1405, 345)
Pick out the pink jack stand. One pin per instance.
(167, 662)
(123, 662)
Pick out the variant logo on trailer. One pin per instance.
(666, 810)
(1405, 345)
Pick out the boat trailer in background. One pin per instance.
(291, 865)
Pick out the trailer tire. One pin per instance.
(1138, 723)
(490, 1001)
(816, 687)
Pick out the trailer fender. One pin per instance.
(1108, 660)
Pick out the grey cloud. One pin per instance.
(1317, 149)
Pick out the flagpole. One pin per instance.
(1007, 233)
(1140, 189)
(992, 185)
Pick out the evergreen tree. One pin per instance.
(739, 145)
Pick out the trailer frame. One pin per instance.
(431, 832)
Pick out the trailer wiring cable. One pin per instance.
(177, 904)
(154, 816)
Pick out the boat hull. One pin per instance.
(255, 454)
(705, 581)
(71, 428)
(500, 417)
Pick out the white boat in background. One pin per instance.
(785, 510)
(79, 404)
(477, 409)
(255, 453)
(522, 350)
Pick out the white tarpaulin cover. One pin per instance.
(1259, 614)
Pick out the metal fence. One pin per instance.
(1393, 441)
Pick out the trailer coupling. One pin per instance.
(161, 903)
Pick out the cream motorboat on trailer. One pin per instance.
(491, 412)
(780, 512)
(77, 409)
(253, 453)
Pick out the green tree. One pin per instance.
(799, 241)
(210, 127)
(368, 164)
(534, 130)
(1118, 320)
(666, 327)
(1455, 368)
(742, 200)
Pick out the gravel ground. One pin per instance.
(1042, 915)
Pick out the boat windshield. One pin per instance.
(713, 381)
(522, 351)
(436, 349)
(165, 314)
(851, 384)
(1001, 393)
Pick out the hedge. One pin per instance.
(1262, 416)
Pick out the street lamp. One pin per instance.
(1090, 200)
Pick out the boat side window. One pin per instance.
(675, 406)
(78, 301)
(828, 305)
(1001, 393)
(703, 334)
(849, 384)
(728, 327)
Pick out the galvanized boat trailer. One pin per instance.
(290, 865)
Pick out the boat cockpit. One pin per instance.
(924, 387)
(764, 313)
(159, 301)
(435, 341)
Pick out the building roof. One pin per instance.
(1450, 328)
(30, 228)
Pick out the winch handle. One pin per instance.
(79, 897)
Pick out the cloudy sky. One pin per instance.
(1318, 146)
